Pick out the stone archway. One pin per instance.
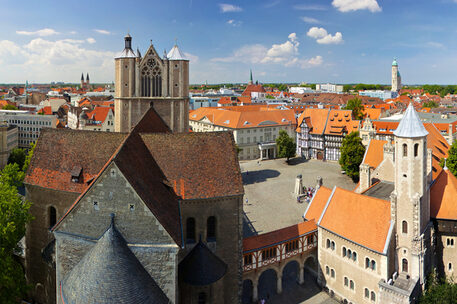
(311, 265)
(247, 296)
(267, 284)
(290, 274)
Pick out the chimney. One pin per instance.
(365, 178)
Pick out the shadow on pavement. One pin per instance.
(252, 177)
(297, 160)
(248, 228)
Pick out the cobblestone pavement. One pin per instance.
(269, 187)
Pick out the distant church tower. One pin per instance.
(151, 81)
(396, 78)
(410, 201)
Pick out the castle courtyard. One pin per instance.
(269, 190)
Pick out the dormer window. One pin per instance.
(76, 174)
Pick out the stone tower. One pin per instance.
(410, 201)
(151, 81)
(396, 78)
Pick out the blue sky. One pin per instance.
(342, 41)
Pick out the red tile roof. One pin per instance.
(374, 154)
(443, 192)
(317, 204)
(278, 236)
(253, 88)
(45, 110)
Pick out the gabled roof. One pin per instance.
(318, 119)
(250, 88)
(443, 192)
(199, 165)
(99, 114)
(361, 219)
(374, 154)
(58, 151)
(317, 204)
(110, 273)
(45, 110)
(410, 125)
(339, 122)
(277, 236)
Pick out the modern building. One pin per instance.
(151, 81)
(29, 125)
(379, 94)
(300, 90)
(320, 132)
(9, 140)
(396, 78)
(329, 88)
(379, 243)
(255, 128)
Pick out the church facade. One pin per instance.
(151, 80)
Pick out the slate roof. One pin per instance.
(58, 151)
(110, 273)
(199, 165)
(410, 125)
(201, 266)
(380, 190)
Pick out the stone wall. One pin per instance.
(228, 244)
(38, 273)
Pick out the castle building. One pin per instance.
(396, 78)
(379, 243)
(148, 81)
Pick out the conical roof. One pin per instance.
(410, 125)
(175, 54)
(110, 273)
(201, 266)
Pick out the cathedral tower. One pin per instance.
(411, 198)
(151, 81)
(396, 78)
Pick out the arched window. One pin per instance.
(373, 265)
(373, 296)
(416, 150)
(405, 150)
(354, 256)
(449, 267)
(349, 254)
(52, 216)
(190, 230)
(367, 263)
(344, 252)
(333, 245)
(211, 229)
(367, 293)
(404, 226)
(201, 298)
(332, 273)
(404, 265)
(351, 285)
(346, 281)
(328, 243)
(327, 270)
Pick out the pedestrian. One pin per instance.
(246, 200)
(247, 172)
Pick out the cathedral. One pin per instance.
(151, 81)
(137, 216)
(379, 243)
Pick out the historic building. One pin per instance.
(85, 84)
(149, 80)
(320, 132)
(149, 196)
(396, 78)
(379, 243)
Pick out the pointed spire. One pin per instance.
(87, 77)
(165, 54)
(82, 76)
(138, 52)
(410, 125)
(251, 81)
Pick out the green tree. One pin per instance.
(29, 157)
(9, 107)
(17, 156)
(282, 87)
(439, 291)
(430, 104)
(238, 149)
(12, 175)
(356, 106)
(286, 145)
(451, 161)
(14, 215)
(352, 151)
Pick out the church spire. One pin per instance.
(251, 81)
(410, 125)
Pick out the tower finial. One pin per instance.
(151, 41)
(112, 218)
(176, 41)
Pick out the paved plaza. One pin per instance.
(269, 190)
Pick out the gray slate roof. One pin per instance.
(175, 54)
(410, 125)
(110, 273)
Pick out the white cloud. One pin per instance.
(234, 22)
(103, 32)
(309, 7)
(42, 33)
(192, 58)
(285, 54)
(322, 37)
(91, 40)
(310, 20)
(436, 44)
(73, 32)
(229, 8)
(355, 5)
(60, 60)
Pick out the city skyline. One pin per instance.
(341, 41)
